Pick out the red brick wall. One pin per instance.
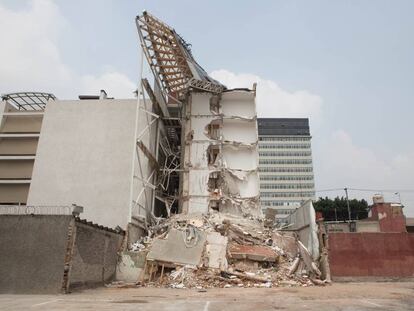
(371, 254)
(391, 218)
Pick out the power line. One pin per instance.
(383, 190)
(367, 190)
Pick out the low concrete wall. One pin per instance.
(379, 255)
(367, 226)
(94, 256)
(32, 252)
(33, 249)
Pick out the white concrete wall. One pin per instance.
(203, 104)
(84, 156)
(237, 161)
(240, 157)
(238, 104)
(195, 153)
(303, 220)
(198, 155)
(240, 131)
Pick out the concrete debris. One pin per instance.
(131, 265)
(137, 246)
(216, 249)
(181, 247)
(222, 250)
(307, 259)
(294, 266)
(253, 252)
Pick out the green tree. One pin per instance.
(336, 209)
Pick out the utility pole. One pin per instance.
(347, 204)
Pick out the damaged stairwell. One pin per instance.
(221, 157)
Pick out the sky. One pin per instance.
(346, 65)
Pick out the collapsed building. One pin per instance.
(218, 143)
(186, 145)
(219, 237)
(175, 171)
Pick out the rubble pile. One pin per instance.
(222, 250)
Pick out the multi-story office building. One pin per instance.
(285, 164)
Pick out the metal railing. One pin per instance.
(41, 209)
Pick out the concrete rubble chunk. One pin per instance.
(253, 252)
(216, 249)
(130, 266)
(307, 259)
(287, 242)
(178, 249)
(222, 250)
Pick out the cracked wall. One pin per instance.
(220, 153)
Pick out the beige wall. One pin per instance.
(22, 146)
(85, 156)
(13, 193)
(15, 169)
(18, 124)
(368, 226)
(338, 227)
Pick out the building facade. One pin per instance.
(21, 116)
(285, 164)
(56, 153)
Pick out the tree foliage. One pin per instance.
(336, 209)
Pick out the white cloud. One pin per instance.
(115, 84)
(272, 100)
(341, 163)
(30, 58)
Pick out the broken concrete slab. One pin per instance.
(179, 248)
(216, 249)
(286, 242)
(246, 265)
(130, 266)
(253, 252)
(307, 259)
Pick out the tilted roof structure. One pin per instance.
(171, 60)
